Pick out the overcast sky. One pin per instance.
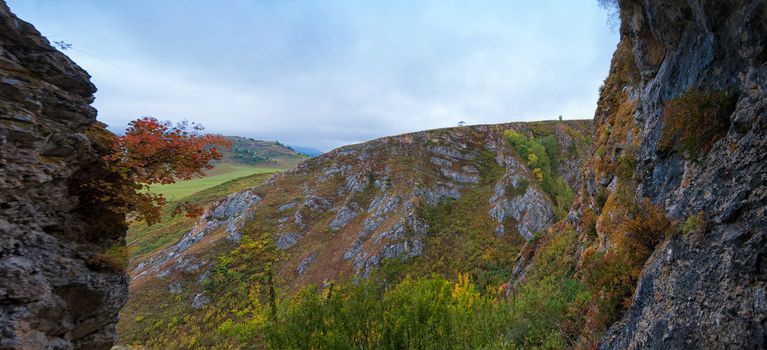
(327, 73)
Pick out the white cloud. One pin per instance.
(329, 73)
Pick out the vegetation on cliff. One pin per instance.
(694, 121)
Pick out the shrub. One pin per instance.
(693, 224)
(626, 166)
(540, 155)
(646, 226)
(694, 121)
(633, 231)
(429, 313)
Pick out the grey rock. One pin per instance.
(451, 153)
(441, 162)
(440, 192)
(53, 293)
(532, 211)
(199, 301)
(204, 277)
(354, 183)
(317, 203)
(336, 170)
(298, 219)
(342, 218)
(286, 206)
(305, 263)
(174, 287)
(231, 212)
(702, 291)
(470, 169)
(286, 240)
(460, 177)
(356, 247)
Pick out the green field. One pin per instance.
(143, 239)
(221, 173)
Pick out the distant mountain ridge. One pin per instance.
(307, 151)
(264, 153)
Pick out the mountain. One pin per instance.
(644, 228)
(262, 153)
(410, 199)
(663, 247)
(307, 151)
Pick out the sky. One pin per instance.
(325, 73)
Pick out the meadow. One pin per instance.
(222, 173)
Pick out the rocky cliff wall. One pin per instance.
(686, 103)
(61, 285)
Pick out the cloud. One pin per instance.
(324, 73)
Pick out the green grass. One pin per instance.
(143, 239)
(222, 173)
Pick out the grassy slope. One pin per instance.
(220, 174)
(144, 240)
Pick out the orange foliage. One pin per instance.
(694, 121)
(633, 231)
(158, 152)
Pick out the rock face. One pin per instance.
(705, 289)
(54, 292)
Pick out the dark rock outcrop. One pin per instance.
(705, 289)
(55, 292)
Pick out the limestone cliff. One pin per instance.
(681, 126)
(55, 291)
(702, 289)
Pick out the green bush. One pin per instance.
(427, 313)
(693, 224)
(541, 156)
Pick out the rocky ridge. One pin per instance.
(345, 213)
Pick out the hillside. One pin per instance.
(271, 154)
(246, 157)
(445, 201)
(644, 228)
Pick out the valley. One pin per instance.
(641, 228)
(450, 201)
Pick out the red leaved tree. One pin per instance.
(158, 152)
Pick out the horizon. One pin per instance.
(324, 75)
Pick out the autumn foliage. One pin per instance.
(694, 121)
(158, 152)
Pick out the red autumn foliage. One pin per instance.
(159, 152)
